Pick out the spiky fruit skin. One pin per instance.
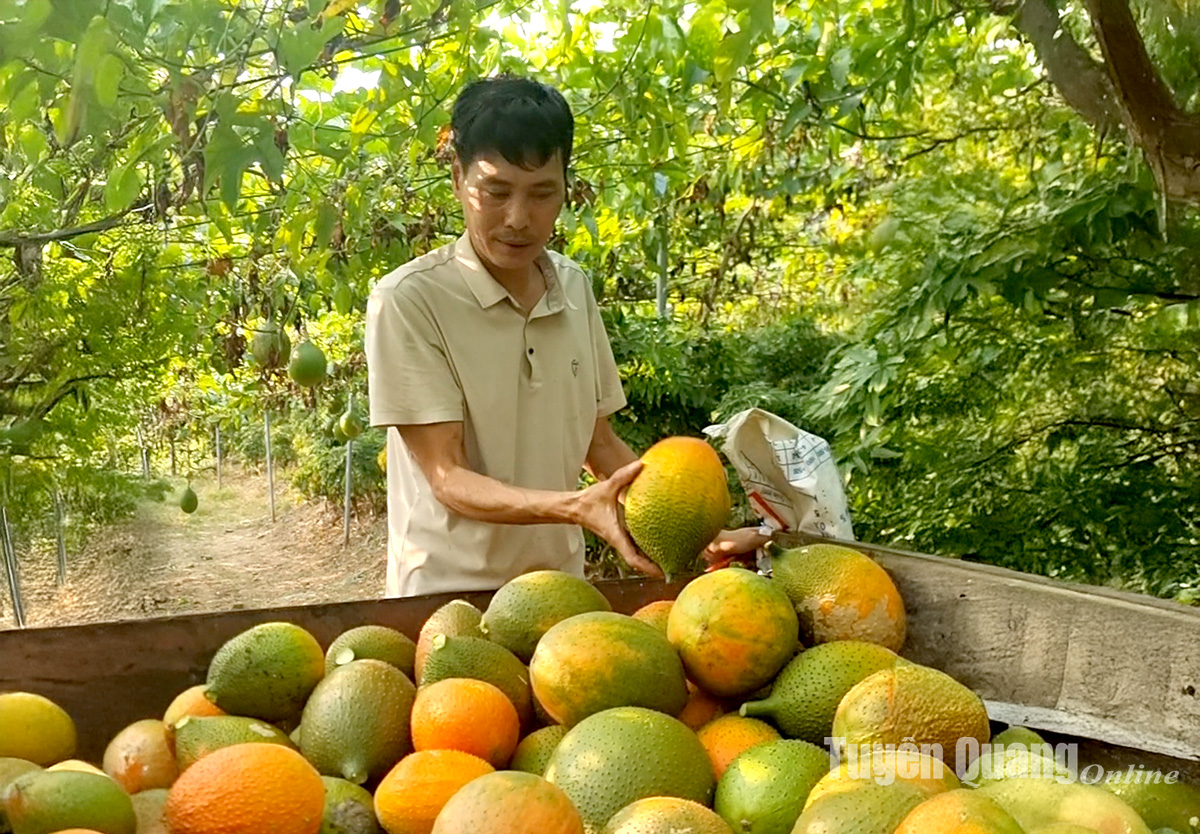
(599, 660)
(44, 801)
(356, 722)
(806, 692)
(910, 702)
(509, 802)
(266, 672)
(763, 790)
(734, 631)
(264, 788)
(840, 594)
(678, 502)
(528, 606)
(593, 767)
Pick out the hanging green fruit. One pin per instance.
(339, 436)
(270, 345)
(307, 367)
(351, 425)
(188, 502)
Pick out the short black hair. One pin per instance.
(523, 120)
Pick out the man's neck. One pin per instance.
(526, 286)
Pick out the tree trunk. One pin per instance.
(1124, 90)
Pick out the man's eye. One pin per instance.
(496, 193)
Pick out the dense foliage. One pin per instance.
(876, 219)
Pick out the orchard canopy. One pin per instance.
(957, 239)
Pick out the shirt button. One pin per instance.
(531, 351)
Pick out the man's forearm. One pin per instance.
(478, 497)
(607, 453)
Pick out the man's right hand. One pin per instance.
(601, 511)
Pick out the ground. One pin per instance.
(226, 555)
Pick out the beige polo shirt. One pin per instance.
(445, 342)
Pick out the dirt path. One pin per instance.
(226, 555)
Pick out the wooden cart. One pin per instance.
(1119, 673)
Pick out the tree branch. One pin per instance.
(1081, 81)
(1159, 126)
(13, 239)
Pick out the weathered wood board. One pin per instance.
(1118, 672)
(1091, 662)
(111, 674)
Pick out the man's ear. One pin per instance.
(456, 172)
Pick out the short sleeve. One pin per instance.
(610, 396)
(410, 379)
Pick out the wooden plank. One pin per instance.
(1092, 662)
(1083, 662)
(108, 675)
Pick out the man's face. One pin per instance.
(509, 210)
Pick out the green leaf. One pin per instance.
(109, 71)
(1109, 297)
(124, 184)
(839, 66)
(221, 219)
(362, 120)
(226, 157)
(269, 155)
(705, 32)
(327, 217)
(731, 56)
(300, 46)
(589, 223)
(25, 103)
(760, 15)
(343, 298)
(25, 20)
(69, 117)
(799, 111)
(91, 51)
(33, 143)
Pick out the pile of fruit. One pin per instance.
(550, 713)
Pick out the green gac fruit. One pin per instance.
(351, 425)
(307, 367)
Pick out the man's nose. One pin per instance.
(516, 214)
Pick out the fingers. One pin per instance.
(634, 557)
(642, 564)
(719, 549)
(624, 476)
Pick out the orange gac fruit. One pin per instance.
(655, 613)
(726, 737)
(960, 811)
(264, 788)
(139, 759)
(840, 594)
(509, 801)
(659, 814)
(190, 703)
(701, 707)
(734, 631)
(465, 714)
(410, 797)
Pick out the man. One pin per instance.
(489, 364)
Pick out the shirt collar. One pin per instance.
(488, 291)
